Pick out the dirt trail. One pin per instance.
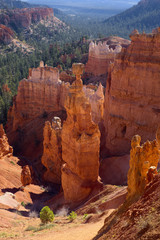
(82, 232)
(71, 232)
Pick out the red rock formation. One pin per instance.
(102, 54)
(39, 98)
(151, 173)
(96, 99)
(142, 158)
(80, 143)
(66, 76)
(52, 151)
(38, 95)
(132, 99)
(5, 148)
(6, 34)
(26, 177)
(23, 18)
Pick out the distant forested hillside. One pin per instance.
(145, 16)
(100, 4)
(13, 4)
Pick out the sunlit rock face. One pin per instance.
(80, 143)
(132, 99)
(102, 54)
(41, 93)
(143, 159)
(39, 98)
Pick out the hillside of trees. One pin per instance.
(144, 16)
(14, 4)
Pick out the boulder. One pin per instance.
(26, 177)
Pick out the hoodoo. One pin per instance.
(142, 159)
(103, 53)
(52, 150)
(80, 143)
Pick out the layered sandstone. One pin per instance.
(38, 95)
(80, 143)
(6, 34)
(132, 99)
(143, 159)
(52, 150)
(23, 18)
(96, 99)
(5, 148)
(39, 98)
(101, 55)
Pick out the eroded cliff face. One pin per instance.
(52, 151)
(142, 159)
(96, 99)
(23, 18)
(38, 95)
(102, 54)
(80, 143)
(132, 99)
(39, 98)
(6, 34)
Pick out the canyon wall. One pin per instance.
(132, 99)
(6, 34)
(102, 54)
(38, 95)
(80, 143)
(23, 18)
(39, 98)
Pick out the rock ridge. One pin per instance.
(132, 102)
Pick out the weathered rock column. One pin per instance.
(142, 158)
(52, 150)
(80, 143)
